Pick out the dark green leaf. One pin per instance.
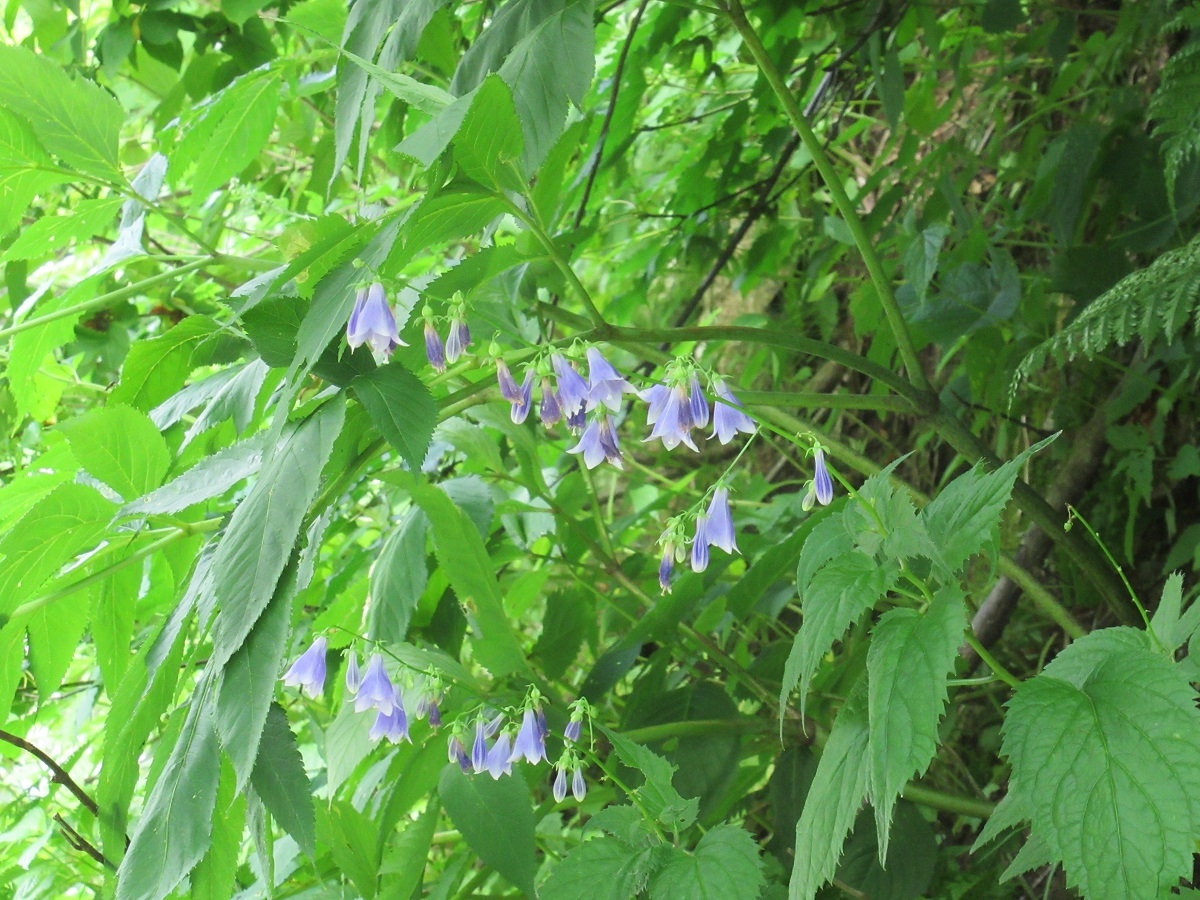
(401, 407)
(280, 782)
(725, 866)
(603, 869)
(496, 820)
(156, 369)
(398, 579)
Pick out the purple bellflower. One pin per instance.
(530, 742)
(670, 412)
(308, 671)
(499, 759)
(822, 482)
(434, 715)
(560, 784)
(435, 350)
(572, 389)
(520, 409)
(551, 409)
(372, 322)
(572, 731)
(393, 725)
(578, 785)
(479, 749)
(700, 545)
(605, 383)
(509, 389)
(457, 753)
(457, 340)
(376, 690)
(353, 676)
(666, 567)
(599, 443)
(729, 417)
(698, 403)
(719, 530)
(577, 420)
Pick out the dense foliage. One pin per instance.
(576, 449)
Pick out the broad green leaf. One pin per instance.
(495, 817)
(1172, 626)
(120, 446)
(281, 783)
(564, 627)
(73, 118)
(156, 369)
(54, 631)
(829, 540)
(837, 596)
(838, 789)
(215, 875)
(325, 17)
(603, 869)
(36, 391)
(658, 794)
(426, 144)
(175, 828)
(211, 477)
(248, 683)
(490, 138)
(964, 517)
(724, 866)
(451, 215)
(32, 482)
(229, 134)
(12, 663)
(25, 169)
(405, 858)
(1103, 743)
(921, 258)
(464, 558)
(263, 529)
(401, 407)
(398, 579)
(512, 23)
(50, 234)
(347, 743)
(70, 519)
(911, 656)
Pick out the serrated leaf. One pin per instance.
(111, 623)
(215, 875)
(120, 446)
(211, 477)
(829, 540)
(354, 839)
(725, 866)
(1103, 743)
(603, 869)
(50, 234)
(398, 579)
(1168, 624)
(281, 783)
(405, 858)
(911, 859)
(54, 631)
(496, 820)
(911, 656)
(264, 527)
(490, 137)
(839, 593)
(347, 743)
(235, 400)
(25, 169)
(401, 407)
(156, 369)
(659, 797)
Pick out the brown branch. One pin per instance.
(60, 774)
(79, 842)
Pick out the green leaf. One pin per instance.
(838, 789)
(426, 144)
(36, 394)
(406, 855)
(839, 593)
(921, 258)
(490, 137)
(174, 831)
(347, 743)
(495, 818)
(910, 658)
(156, 369)
(120, 446)
(353, 838)
(74, 119)
(464, 558)
(659, 797)
(50, 234)
(211, 477)
(398, 579)
(215, 876)
(603, 869)
(911, 858)
(54, 632)
(281, 783)
(1103, 743)
(111, 623)
(725, 866)
(451, 215)
(401, 407)
(26, 170)
(829, 540)
(248, 683)
(564, 627)
(263, 529)
(68, 520)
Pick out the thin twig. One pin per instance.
(79, 842)
(60, 774)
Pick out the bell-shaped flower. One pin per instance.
(457, 340)
(656, 400)
(671, 413)
(372, 323)
(530, 742)
(729, 417)
(572, 389)
(509, 389)
(457, 753)
(392, 725)
(559, 788)
(499, 758)
(376, 690)
(308, 671)
(599, 443)
(434, 715)
(550, 410)
(578, 785)
(572, 731)
(666, 567)
(700, 545)
(719, 529)
(520, 407)
(353, 676)
(822, 482)
(479, 749)
(577, 420)
(605, 383)
(435, 350)
(698, 403)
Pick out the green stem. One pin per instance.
(1002, 673)
(963, 806)
(1041, 598)
(812, 400)
(697, 728)
(105, 299)
(862, 240)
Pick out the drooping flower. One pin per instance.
(434, 715)
(530, 742)
(729, 417)
(822, 482)
(376, 690)
(435, 350)
(458, 339)
(671, 415)
(700, 545)
(666, 567)
(698, 403)
(578, 785)
(560, 784)
(499, 758)
(572, 389)
(577, 420)
(457, 753)
(509, 388)
(520, 408)
(479, 749)
(719, 529)
(353, 676)
(572, 731)
(605, 383)
(308, 671)
(371, 322)
(599, 443)
(392, 725)
(551, 409)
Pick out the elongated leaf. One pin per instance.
(280, 781)
(25, 169)
(490, 137)
(405, 858)
(31, 354)
(211, 477)
(354, 838)
(120, 446)
(1103, 743)
(725, 866)
(911, 656)
(264, 528)
(156, 369)
(50, 234)
(216, 874)
(111, 623)
(495, 817)
(401, 407)
(398, 579)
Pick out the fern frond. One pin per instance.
(1173, 106)
(1155, 302)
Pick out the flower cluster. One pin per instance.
(373, 323)
(458, 336)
